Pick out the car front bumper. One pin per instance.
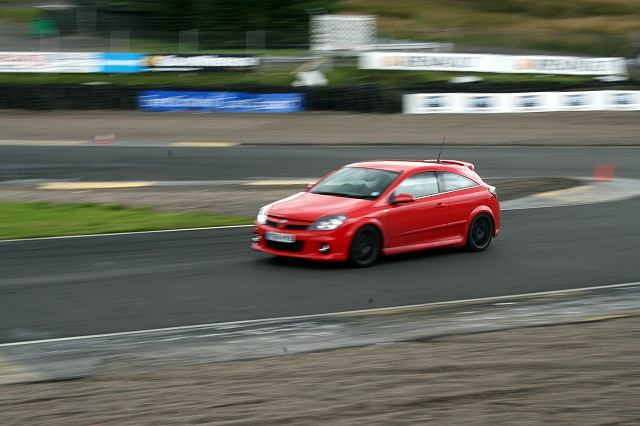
(313, 245)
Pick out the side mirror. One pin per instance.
(311, 185)
(402, 199)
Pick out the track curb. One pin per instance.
(81, 356)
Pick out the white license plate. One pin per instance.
(282, 238)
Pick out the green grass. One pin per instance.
(32, 220)
(598, 27)
(555, 8)
(20, 15)
(394, 78)
(277, 76)
(204, 79)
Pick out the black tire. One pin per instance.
(480, 233)
(365, 247)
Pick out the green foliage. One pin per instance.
(553, 8)
(30, 220)
(238, 15)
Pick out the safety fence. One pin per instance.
(364, 98)
(355, 98)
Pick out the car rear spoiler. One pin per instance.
(454, 162)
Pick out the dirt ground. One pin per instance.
(566, 128)
(571, 374)
(586, 374)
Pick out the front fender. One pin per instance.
(374, 221)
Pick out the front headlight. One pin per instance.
(262, 215)
(328, 223)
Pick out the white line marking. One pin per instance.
(280, 182)
(330, 314)
(124, 233)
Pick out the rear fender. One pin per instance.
(476, 212)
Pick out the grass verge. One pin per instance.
(343, 75)
(20, 15)
(40, 219)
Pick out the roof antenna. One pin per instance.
(441, 148)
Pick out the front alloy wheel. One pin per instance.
(365, 247)
(480, 233)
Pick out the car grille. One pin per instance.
(292, 247)
(292, 226)
(299, 227)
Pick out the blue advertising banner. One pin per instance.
(159, 100)
(123, 62)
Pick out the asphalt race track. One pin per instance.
(132, 162)
(93, 285)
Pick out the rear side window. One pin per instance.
(453, 182)
(419, 185)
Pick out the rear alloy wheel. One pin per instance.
(365, 247)
(480, 233)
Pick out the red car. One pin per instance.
(382, 207)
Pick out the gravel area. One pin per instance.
(586, 374)
(567, 128)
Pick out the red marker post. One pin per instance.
(604, 172)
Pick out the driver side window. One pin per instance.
(419, 185)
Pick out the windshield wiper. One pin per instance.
(340, 194)
(336, 194)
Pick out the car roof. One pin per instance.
(407, 165)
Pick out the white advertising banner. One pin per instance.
(463, 103)
(529, 102)
(50, 62)
(620, 100)
(503, 64)
(567, 65)
(432, 62)
(576, 101)
(433, 103)
(481, 103)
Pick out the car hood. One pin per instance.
(309, 207)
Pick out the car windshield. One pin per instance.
(356, 182)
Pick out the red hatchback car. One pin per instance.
(382, 207)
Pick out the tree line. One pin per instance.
(238, 15)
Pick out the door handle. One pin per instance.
(440, 205)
